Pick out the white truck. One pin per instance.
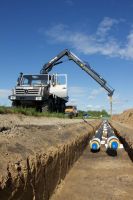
(44, 92)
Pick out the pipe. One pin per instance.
(107, 131)
(95, 143)
(112, 141)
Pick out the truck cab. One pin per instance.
(42, 91)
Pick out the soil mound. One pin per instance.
(126, 117)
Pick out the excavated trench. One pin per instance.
(125, 136)
(43, 172)
(101, 175)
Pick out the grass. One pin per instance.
(33, 112)
(28, 112)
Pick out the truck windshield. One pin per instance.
(34, 80)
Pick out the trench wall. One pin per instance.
(40, 175)
(125, 136)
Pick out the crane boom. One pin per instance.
(83, 65)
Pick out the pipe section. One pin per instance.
(111, 140)
(95, 143)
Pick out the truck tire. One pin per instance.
(51, 105)
(44, 108)
(71, 115)
(48, 106)
(62, 107)
(15, 104)
(76, 115)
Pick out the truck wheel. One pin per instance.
(45, 108)
(51, 105)
(15, 104)
(71, 115)
(63, 107)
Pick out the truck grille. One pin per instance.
(27, 91)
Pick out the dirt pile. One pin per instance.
(126, 117)
(35, 158)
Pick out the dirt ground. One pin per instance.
(126, 118)
(22, 136)
(11, 120)
(95, 176)
(98, 176)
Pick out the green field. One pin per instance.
(33, 112)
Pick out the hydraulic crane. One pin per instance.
(83, 65)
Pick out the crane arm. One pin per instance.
(83, 65)
(54, 61)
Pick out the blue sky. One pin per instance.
(98, 31)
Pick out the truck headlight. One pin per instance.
(12, 97)
(38, 98)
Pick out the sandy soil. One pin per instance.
(98, 176)
(126, 118)
(21, 136)
(24, 142)
(11, 120)
(25, 139)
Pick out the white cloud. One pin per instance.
(119, 103)
(117, 100)
(78, 96)
(72, 102)
(76, 91)
(105, 26)
(4, 93)
(95, 107)
(89, 106)
(101, 42)
(58, 32)
(94, 93)
(69, 2)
